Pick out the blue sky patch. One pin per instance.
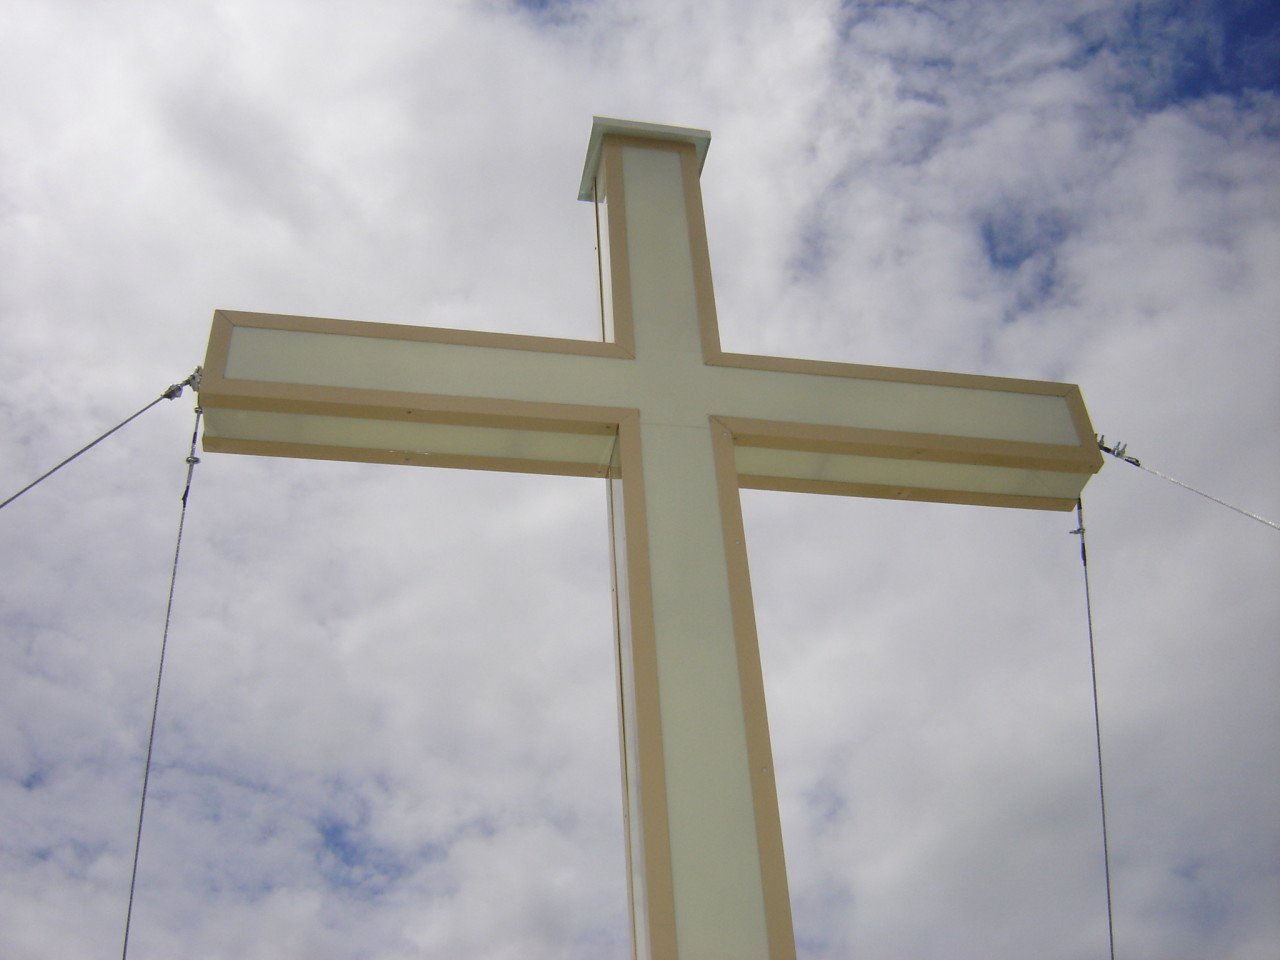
(1183, 51)
(1013, 234)
(352, 862)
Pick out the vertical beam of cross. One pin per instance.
(676, 426)
(704, 827)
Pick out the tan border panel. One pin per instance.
(397, 331)
(659, 894)
(861, 371)
(704, 288)
(411, 407)
(881, 492)
(764, 791)
(624, 330)
(620, 245)
(898, 444)
(215, 357)
(312, 451)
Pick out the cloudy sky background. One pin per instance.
(388, 726)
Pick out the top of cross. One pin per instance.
(600, 126)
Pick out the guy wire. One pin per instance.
(172, 393)
(192, 460)
(1097, 730)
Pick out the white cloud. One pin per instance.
(388, 723)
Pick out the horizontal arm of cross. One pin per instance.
(332, 389)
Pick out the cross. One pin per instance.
(676, 426)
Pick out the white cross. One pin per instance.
(676, 426)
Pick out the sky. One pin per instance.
(387, 723)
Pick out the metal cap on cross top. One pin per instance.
(676, 426)
(600, 126)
